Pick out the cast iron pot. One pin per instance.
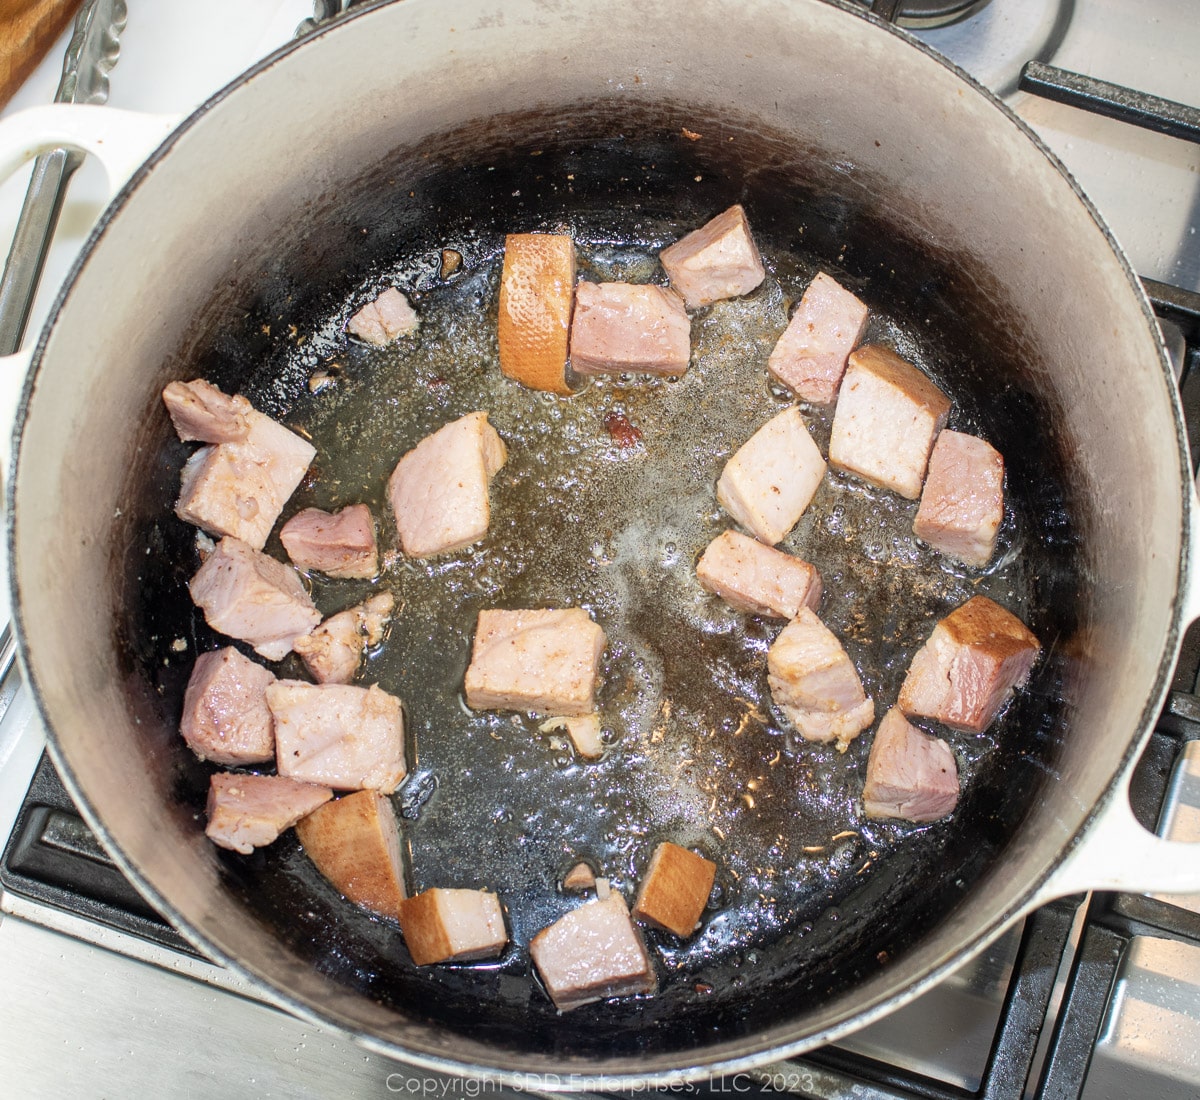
(901, 172)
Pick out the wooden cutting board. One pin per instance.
(28, 28)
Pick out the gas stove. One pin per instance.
(1097, 997)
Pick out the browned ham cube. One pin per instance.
(973, 661)
(675, 889)
(887, 415)
(593, 953)
(537, 289)
(441, 925)
(770, 480)
(252, 597)
(385, 319)
(815, 684)
(199, 410)
(248, 811)
(225, 714)
(810, 357)
(355, 843)
(344, 736)
(334, 650)
(962, 503)
(341, 544)
(439, 490)
(718, 260)
(910, 774)
(623, 327)
(543, 661)
(752, 577)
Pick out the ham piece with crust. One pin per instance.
(439, 489)
(772, 477)
(675, 889)
(225, 714)
(910, 774)
(962, 504)
(334, 650)
(973, 661)
(385, 319)
(338, 544)
(544, 661)
(887, 415)
(621, 327)
(247, 811)
(202, 412)
(537, 288)
(593, 953)
(441, 925)
(752, 577)
(810, 357)
(815, 684)
(250, 596)
(344, 736)
(718, 260)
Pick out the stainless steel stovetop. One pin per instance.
(87, 1009)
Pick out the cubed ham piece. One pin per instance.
(962, 503)
(250, 596)
(440, 925)
(675, 889)
(593, 953)
(334, 650)
(201, 411)
(718, 260)
(248, 811)
(355, 843)
(752, 577)
(771, 478)
(620, 327)
(974, 659)
(439, 490)
(584, 731)
(537, 289)
(385, 319)
(240, 488)
(815, 683)
(579, 879)
(544, 661)
(810, 357)
(344, 736)
(910, 774)
(225, 714)
(887, 415)
(341, 544)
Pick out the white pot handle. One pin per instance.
(1191, 595)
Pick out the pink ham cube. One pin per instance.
(387, 318)
(341, 544)
(622, 327)
(752, 577)
(910, 774)
(887, 415)
(718, 260)
(442, 925)
(248, 811)
(201, 411)
(225, 713)
(962, 504)
(771, 479)
(973, 661)
(334, 650)
(810, 357)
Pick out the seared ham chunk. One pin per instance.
(909, 774)
(769, 482)
(718, 260)
(385, 319)
(543, 661)
(962, 503)
(355, 843)
(344, 736)
(439, 490)
(974, 659)
(333, 652)
(240, 488)
(620, 327)
(752, 577)
(537, 289)
(460, 925)
(225, 714)
(815, 684)
(887, 415)
(675, 889)
(810, 357)
(252, 597)
(341, 544)
(201, 411)
(593, 953)
(247, 811)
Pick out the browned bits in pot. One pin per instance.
(623, 432)
(691, 135)
(451, 262)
